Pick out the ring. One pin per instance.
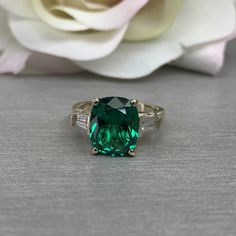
(114, 124)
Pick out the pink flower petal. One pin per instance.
(13, 58)
(207, 59)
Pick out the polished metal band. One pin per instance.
(151, 116)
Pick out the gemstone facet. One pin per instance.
(114, 126)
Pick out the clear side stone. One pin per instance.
(81, 120)
(150, 123)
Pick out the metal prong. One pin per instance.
(132, 152)
(95, 101)
(134, 102)
(94, 151)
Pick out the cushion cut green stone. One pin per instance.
(114, 126)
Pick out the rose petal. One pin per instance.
(195, 25)
(21, 8)
(154, 19)
(57, 22)
(208, 58)
(131, 61)
(98, 4)
(38, 36)
(13, 58)
(113, 18)
(94, 5)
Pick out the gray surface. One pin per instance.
(183, 181)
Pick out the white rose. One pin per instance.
(125, 39)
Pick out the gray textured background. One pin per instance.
(183, 181)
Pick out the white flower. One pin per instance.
(117, 38)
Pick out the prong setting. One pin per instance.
(132, 153)
(134, 102)
(95, 101)
(94, 151)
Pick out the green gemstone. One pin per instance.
(114, 126)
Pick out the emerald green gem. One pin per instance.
(114, 126)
